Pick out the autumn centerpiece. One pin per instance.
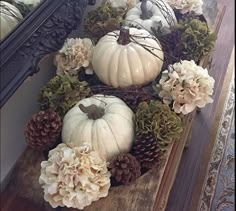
(119, 96)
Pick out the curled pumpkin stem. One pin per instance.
(93, 112)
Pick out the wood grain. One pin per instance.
(213, 133)
(10, 201)
(172, 166)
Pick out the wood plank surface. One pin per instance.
(172, 166)
(207, 153)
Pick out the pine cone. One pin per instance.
(124, 169)
(43, 130)
(147, 151)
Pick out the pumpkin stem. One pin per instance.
(146, 14)
(92, 111)
(124, 36)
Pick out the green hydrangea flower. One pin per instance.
(196, 38)
(62, 93)
(157, 118)
(102, 20)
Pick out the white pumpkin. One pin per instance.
(10, 16)
(150, 14)
(105, 123)
(127, 57)
(34, 3)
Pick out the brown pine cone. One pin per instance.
(147, 151)
(43, 130)
(124, 169)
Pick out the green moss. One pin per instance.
(157, 118)
(62, 93)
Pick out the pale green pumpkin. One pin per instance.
(152, 14)
(10, 16)
(104, 123)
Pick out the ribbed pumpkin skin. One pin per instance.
(110, 135)
(34, 3)
(133, 16)
(125, 65)
(9, 18)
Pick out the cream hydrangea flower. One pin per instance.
(187, 85)
(75, 53)
(74, 177)
(187, 5)
(122, 3)
(29, 2)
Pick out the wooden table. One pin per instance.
(150, 192)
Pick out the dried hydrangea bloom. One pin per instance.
(185, 6)
(122, 3)
(74, 177)
(75, 53)
(187, 85)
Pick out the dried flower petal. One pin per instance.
(103, 19)
(157, 118)
(74, 177)
(75, 53)
(62, 92)
(186, 6)
(191, 88)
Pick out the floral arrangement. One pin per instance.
(62, 92)
(75, 53)
(74, 177)
(104, 19)
(158, 119)
(202, 40)
(191, 39)
(109, 128)
(187, 86)
(185, 6)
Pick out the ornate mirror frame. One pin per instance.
(42, 32)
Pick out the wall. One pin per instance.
(15, 114)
